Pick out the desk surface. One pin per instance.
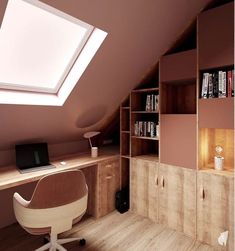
(10, 176)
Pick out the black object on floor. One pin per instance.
(122, 200)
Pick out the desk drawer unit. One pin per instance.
(108, 185)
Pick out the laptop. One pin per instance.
(32, 157)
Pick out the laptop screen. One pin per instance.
(31, 155)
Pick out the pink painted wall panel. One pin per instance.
(178, 66)
(178, 140)
(216, 37)
(216, 113)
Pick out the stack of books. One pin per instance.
(151, 103)
(218, 84)
(146, 129)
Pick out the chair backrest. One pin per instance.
(59, 189)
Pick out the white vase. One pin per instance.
(94, 152)
(219, 163)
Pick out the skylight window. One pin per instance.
(43, 53)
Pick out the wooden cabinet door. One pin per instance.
(177, 198)
(108, 185)
(143, 188)
(215, 208)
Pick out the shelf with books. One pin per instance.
(147, 100)
(144, 121)
(217, 83)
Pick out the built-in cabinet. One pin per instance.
(144, 188)
(173, 180)
(108, 184)
(177, 198)
(215, 208)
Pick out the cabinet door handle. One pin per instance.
(108, 165)
(109, 177)
(156, 180)
(202, 193)
(162, 182)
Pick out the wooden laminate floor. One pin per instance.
(114, 232)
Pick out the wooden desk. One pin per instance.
(102, 176)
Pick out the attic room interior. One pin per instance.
(117, 125)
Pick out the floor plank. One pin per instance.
(114, 232)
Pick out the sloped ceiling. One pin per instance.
(139, 32)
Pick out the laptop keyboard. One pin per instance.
(37, 168)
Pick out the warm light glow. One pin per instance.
(43, 52)
(219, 150)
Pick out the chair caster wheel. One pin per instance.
(82, 242)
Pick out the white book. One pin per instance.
(210, 86)
(224, 84)
(220, 84)
(205, 83)
(147, 107)
(157, 131)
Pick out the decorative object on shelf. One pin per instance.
(94, 150)
(219, 160)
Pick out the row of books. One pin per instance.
(151, 103)
(218, 84)
(146, 129)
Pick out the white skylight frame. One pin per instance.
(91, 41)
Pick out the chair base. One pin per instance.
(55, 243)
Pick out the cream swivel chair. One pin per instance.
(59, 201)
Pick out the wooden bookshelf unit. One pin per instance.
(173, 179)
(144, 121)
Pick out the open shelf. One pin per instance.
(140, 99)
(178, 97)
(144, 146)
(209, 138)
